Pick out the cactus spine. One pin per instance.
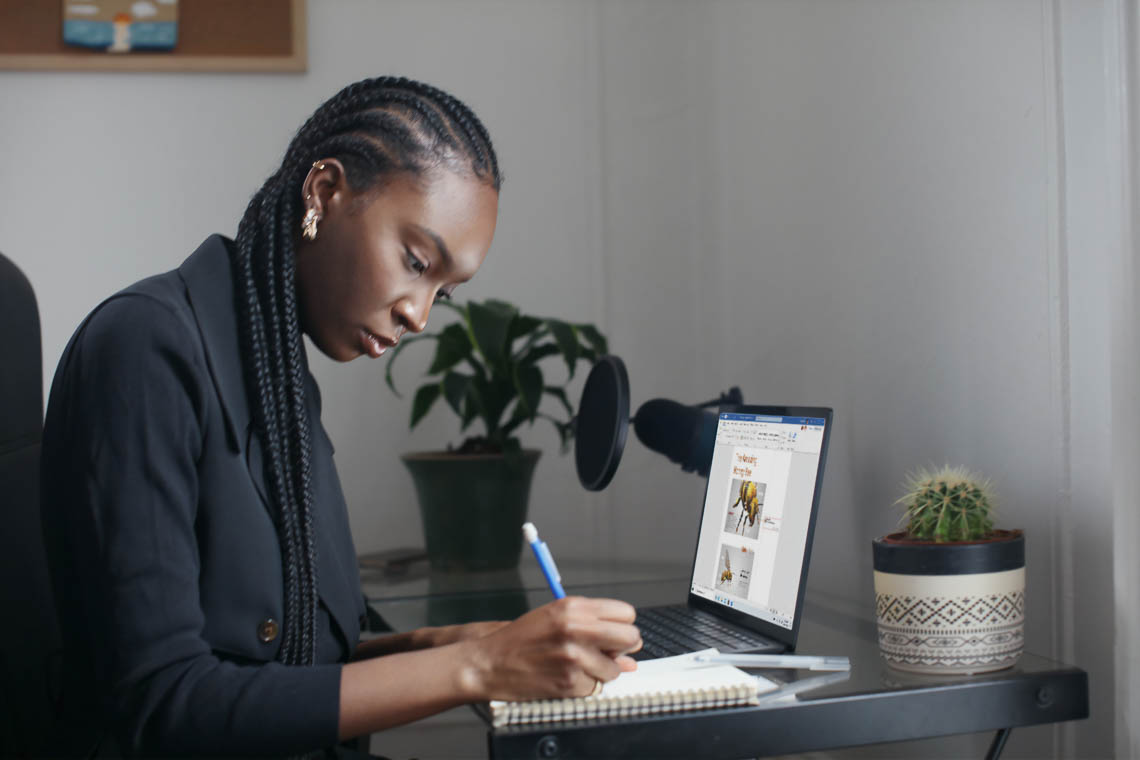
(947, 504)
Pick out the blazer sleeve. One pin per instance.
(138, 388)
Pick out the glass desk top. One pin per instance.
(873, 703)
(415, 580)
(425, 598)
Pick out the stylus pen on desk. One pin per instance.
(795, 661)
(545, 561)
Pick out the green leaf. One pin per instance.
(455, 387)
(518, 417)
(493, 396)
(454, 346)
(594, 338)
(470, 409)
(499, 304)
(490, 324)
(528, 383)
(396, 351)
(522, 326)
(567, 340)
(539, 352)
(425, 397)
(532, 339)
(560, 394)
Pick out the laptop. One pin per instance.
(746, 590)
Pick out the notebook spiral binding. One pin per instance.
(585, 708)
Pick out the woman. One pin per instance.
(204, 573)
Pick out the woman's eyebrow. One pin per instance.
(438, 241)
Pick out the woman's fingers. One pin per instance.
(611, 638)
(608, 621)
(605, 609)
(597, 666)
(601, 633)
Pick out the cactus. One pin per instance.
(947, 504)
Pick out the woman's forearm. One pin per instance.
(382, 692)
(423, 638)
(393, 643)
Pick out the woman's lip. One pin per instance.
(373, 344)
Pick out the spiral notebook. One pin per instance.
(668, 684)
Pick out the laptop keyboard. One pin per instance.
(677, 629)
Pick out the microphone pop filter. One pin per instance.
(602, 423)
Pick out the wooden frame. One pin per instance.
(264, 35)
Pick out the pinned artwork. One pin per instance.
(153, 35)
(120, 26)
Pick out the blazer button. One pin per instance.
(267, 630)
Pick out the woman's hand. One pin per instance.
(450, 634)
(561, 649)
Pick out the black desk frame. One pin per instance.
(998, 703)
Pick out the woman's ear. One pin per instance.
(325, 180)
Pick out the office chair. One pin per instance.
(29, 632)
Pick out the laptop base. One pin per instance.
(677, 628)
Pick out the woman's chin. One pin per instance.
(337, 351)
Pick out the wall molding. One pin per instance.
(1122, 34)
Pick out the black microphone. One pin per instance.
(683, 433)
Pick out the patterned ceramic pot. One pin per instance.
(950, 608)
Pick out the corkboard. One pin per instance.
(213, 35)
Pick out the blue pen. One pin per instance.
(545, 561)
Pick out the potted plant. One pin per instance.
(949, 588)
(473, 497)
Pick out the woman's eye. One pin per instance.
(417, 266)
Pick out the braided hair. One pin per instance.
(377, 128)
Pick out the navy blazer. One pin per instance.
(164, 552)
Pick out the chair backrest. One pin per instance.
(29, 632)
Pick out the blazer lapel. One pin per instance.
(210, 285)
(209, 282)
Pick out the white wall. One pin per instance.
(905, 210)
(107, 178)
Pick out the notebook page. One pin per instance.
(664, 684)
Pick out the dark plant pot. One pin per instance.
(473, 507)
(951, 607)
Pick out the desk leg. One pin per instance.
(998, 744)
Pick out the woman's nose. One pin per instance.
(413, 316)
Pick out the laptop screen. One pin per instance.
(758, 511)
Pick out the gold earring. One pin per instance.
(309, 224)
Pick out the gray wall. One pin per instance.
(906, 210)
(857, 204)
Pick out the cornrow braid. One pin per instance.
(376, 128)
